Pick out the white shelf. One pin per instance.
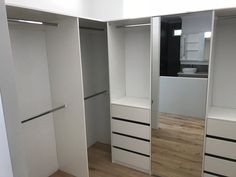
(133, 102)
(227, 114)
(194, 62)
(200, 74)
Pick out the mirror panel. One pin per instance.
(179, 91)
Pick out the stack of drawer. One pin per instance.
(131, 134)
(220, 152)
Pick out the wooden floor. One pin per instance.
(177, 146)
(60, 173)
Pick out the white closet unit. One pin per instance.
(130, 81)
(94, 55)
(220, 155)
(48, 75)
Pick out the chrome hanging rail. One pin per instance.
(15, 20)
(96, 94)
(44, 113)
(134, 25)
(91, 28)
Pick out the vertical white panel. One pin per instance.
(33, 88)
(9, 99)
(65, 70)
(116, 51)
(155, 68)
(5, 160)
(137, 62)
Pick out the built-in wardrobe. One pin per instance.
(220, 155)
(48, 73)
(130, 89)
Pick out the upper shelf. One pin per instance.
(227, 114)
(133, 102)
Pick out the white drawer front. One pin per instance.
(208, 175)
(133, 129)
(219, 166)
(131, 144)
(131, 159)
(226, 129)
(221, 148)
(130, 113)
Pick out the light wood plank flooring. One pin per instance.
(60, 173)
(177, 146)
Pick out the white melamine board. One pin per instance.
(131, 144)
(65, 70)
(155, 69)
(131, 159)
(34, 97)
(137, 62)
(224, 87)
(219, 166)
(142, 103)
(131, 113)
(9, 99)
(95, 79)
(222, 114)
(183, 96)
(116, 55)
(133, 129)
(221, 148)
(227, 128)
(5, 159)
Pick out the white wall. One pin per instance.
(196, 22)
(5, 160)
(183, 96)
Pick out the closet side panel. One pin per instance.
(9, 100)
(116, 55)
(224, 90)
(34, 97)
(67, 88)
(137, 54)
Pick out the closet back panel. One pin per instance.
(9, 99)
(116, 45)
(34, 97)
(224, 90)
(137, 63)
(65, 70)
(95, 79)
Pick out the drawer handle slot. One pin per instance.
(131, 136)
(221, 138)
(131, 121)
(214, 174)
(220, 157)
(131, 151)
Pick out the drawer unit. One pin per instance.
(130, 159)
(220, 166)
(131, 113)
(130, 128)
(132, 144)
(221, 128)
(221, 148)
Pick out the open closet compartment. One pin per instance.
(221, 104)
(130, 92)
(94, 56)
(46, 53)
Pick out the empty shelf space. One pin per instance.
(133, 102)
(226, 114)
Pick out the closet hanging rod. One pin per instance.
(91, 28)
(96, 94)
(15, 20)
(44, 113)
(134, 25)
